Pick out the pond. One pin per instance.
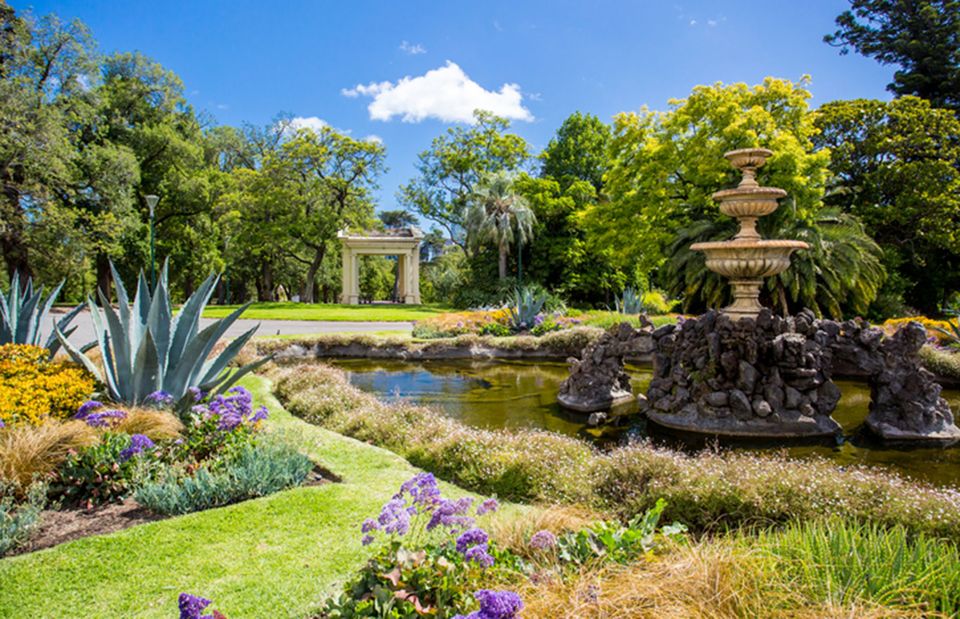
(515, 394)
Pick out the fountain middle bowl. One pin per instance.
(748, 259)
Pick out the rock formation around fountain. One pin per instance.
(773, 377)
(598, 380)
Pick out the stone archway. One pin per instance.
(404, 243)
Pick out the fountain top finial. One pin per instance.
(747, 160)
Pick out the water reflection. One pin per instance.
(513, 394)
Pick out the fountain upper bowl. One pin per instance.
(748, 259)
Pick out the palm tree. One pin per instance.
(499, 216)
(842, 269)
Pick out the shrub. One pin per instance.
(104, 473)
(256, 470)
(19, 518)
(29, 453)
(942, 330)
(156, 424)
(706, 490)
(839, 562)
(941, 361)
(34, 389)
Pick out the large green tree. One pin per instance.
(896, 166)
(921, 37)
(666, 166)
(450, 170)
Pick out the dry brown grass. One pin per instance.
(514, 531)
(28, 452)
(153, 423)
(710, 580)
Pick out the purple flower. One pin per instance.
(138, 443)
(542, 540)
(451, 515)
(538, 320)
(423, 490)
(369, 525)
(86, 408)
(231, 410)
(191, 606)
(495, 605)
(260, 415)
(367, 540)
(101, 419)
(196, 393)
(159, 399)
(472, 537)
(489, 505)
(394, 517)
(479, 555)
(2, 425)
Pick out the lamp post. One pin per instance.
(152, 204)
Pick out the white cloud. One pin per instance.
(412, 49)
(373, 137)
(446, 93)
(307, 122)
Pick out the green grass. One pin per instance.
(329, 312)
(272, 557)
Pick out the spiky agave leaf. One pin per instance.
(23, 312)
(146, 348)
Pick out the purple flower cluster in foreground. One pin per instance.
(419, 498)
(2, 425)
(138, 444)
(159, 399)
(543, 540)
(495, 605)
(232, 410)
(93, 415)
(191, 607)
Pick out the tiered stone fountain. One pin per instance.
(748, 258)
(746, 372)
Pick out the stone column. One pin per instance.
(414, 289)
(351, 280)
(402, 278)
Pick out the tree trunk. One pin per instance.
(15, 253)
(103, 274)
(310, 286)
(265, 285)
(503, 262)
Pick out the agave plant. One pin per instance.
(145, 348)
(527, 303)
(632, 302)
(23, 311)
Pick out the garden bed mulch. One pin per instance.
(58, 526)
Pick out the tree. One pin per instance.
(922, 37)
(578, 152)
(397, 219)
(332, 175)
(451, 169)
(895, 167)
(667, 165)
(498, 215)
(43, 67)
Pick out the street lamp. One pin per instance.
(152, 204)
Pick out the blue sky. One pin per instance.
(343, 62)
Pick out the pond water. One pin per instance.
(514, 394)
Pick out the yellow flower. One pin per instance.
(34, 389)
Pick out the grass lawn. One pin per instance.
(271, 557)
(330, 312)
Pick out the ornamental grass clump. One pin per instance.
(29, 453)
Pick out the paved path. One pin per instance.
(85, 333)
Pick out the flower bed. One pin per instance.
(34, 389)
(215, 456)
(497, 322)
